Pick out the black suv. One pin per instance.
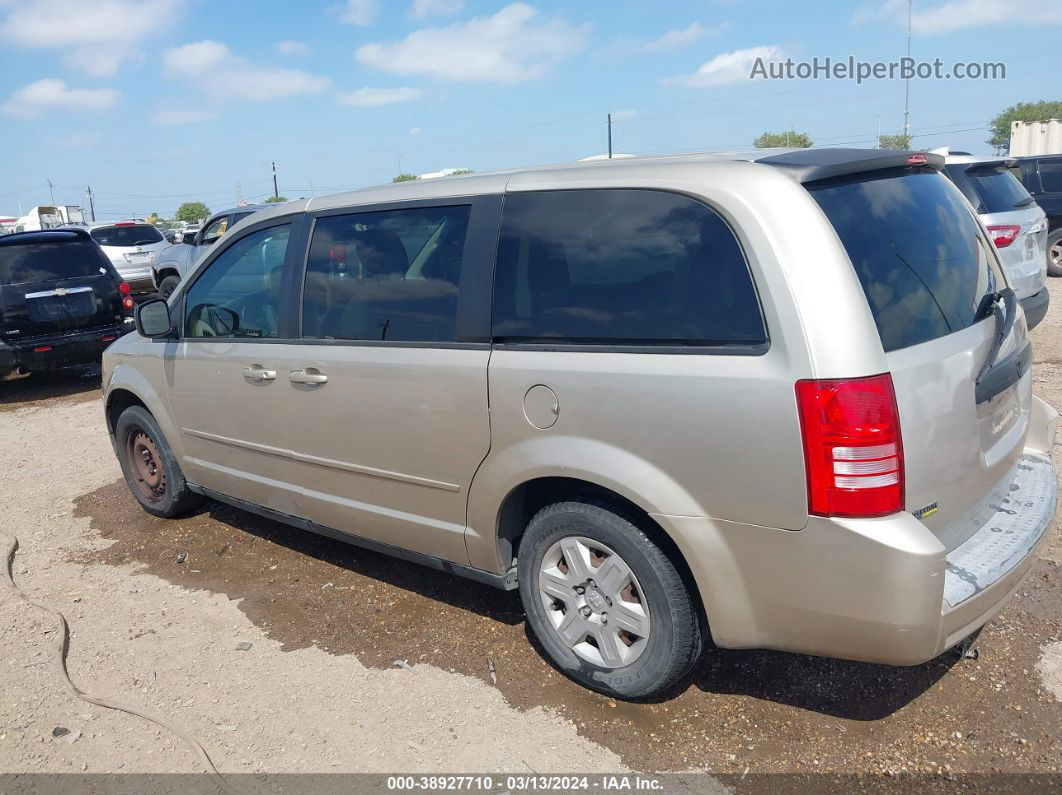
(1042, 177)
(61, 301)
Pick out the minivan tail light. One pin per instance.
(853, 453)
(1004, 235)
(124, 288)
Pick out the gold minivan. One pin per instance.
(784, 400)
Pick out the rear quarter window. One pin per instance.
(49, 262)
(918, 251)
(622, 267)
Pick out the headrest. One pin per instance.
(381, 252)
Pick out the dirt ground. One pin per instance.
(162, 613)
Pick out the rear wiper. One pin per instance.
(1024, 202)
(1004, 316)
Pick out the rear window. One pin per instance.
(919, 253)
(621, 267)
(990, 189)
(135, 235)
(48, 262)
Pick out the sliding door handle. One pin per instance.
(308, 377)
(256, 373)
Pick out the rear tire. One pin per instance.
(168, 285)
(1054, 253)
(631, 632)
(150, 468)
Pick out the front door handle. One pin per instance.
(256, 373)
(307, 377)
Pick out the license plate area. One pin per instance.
(70, 306)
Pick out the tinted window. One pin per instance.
(133, 235)
(621, 266)
(390, 275)
(918, 251)
(998, 190)
(239, 293)
(1051, 176)
(48, 262)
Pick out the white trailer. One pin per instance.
(1036, 138)
(40, 218)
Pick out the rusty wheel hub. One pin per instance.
(146, 465)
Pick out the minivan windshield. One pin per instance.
(132, 235)
(48, 262)
(918, 251)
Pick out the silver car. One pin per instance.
(785, 400)
(1015, 222)
(132, 247)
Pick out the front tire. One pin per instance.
(607, 604)
(1054, 253)
(168, 285)
(150, 467)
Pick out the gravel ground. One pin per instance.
(318, 689)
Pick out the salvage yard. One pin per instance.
(282, 652)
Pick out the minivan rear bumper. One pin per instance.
(875, 590)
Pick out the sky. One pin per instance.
(157, 102)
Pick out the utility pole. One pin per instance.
(907, 89)
(51, 190)
(276, 193)
(610, 136)
(92, 206)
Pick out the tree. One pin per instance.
(276, 199)
(405, 178)
(1023, 111)
(899, 141)
(791, 138)
(190, 212)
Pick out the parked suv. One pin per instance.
(1016, 224)
(787, 402)
(61, 301)
(132, 247)
(175, 261)
(1042, 177)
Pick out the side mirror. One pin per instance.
(152, 319)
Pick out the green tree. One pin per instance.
(405, 178)
(190, 212)
(1023, 111)
(276, 199)
(899, 141)
(791, 138)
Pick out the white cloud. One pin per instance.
(51, 93)
(97, 37)
(414, 130)
(177, 116)
(507, 47)
(242, 79)
(291, 47)
(683, 37)
(373, 97)
(358, 12)
(428, 8)
(727, 67)
(959, 14)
